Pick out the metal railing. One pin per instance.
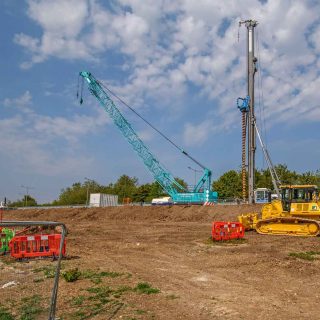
(54, 295)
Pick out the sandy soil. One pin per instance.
(170, 249)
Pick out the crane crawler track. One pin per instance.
(289, 226)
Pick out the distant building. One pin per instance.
(103, 200)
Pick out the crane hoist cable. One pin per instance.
(143, 119)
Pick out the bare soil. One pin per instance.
(170, 249)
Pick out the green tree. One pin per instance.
(109, 189)
(229, 185)
(310, 178)
(125, 187)
(142, 192)
(78, 193)
(263, 179)
(26, 201)
(285, 175)
(156, 191)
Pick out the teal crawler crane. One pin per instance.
(201, 192)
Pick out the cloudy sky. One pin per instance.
(180, 63)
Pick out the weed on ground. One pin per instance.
(5, 314)
(144, 287)
(231, 242)
(96, 277)
(31, 308)
(308, 255)
(47, 271)
(106, 299)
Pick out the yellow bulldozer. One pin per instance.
(297, 213)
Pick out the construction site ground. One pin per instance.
(160, 263)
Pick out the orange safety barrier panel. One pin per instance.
(222, 230)
(39, 245)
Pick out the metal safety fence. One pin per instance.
(54, 294)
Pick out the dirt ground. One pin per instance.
(121, 249)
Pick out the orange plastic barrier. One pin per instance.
(222, 230)
(39, 245)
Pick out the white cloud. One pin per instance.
(25, 149)
(59, 17)
(315, 36)
(197, 134)
(145, 135)
(172, 44)
(23, 101)
(61, 22)
(30, 140)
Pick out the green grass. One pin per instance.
(101, 294)
(309, 255)
(211, 242)
(37, 280)
(138, 311)
(74, 274)
(145, 288)
(100, 300)
(78, 301)
(96, 277)
(172, 297)
(48, 271)
(110, 274)
(5, 314)
(71, 275)
(106, 300)
(31, 308)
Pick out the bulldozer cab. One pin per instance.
(298, 194)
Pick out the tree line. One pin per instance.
(229, 185)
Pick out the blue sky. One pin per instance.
(178, 63)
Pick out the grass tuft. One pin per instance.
(145, 288)
(96, 277)
(48, 271)
(71, 275)
(233, 242)
(5, 314)
(31, 308)
(172, 297)
(309, 255)
(78, 301)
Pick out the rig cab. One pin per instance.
(300, 199)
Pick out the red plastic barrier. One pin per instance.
(222, 230)
(39, 245)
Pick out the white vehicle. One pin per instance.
(262, 195)
(164, 201)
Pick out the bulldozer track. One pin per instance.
(289, 226)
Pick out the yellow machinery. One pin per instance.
(296, 214)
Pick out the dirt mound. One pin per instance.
(135, 213)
